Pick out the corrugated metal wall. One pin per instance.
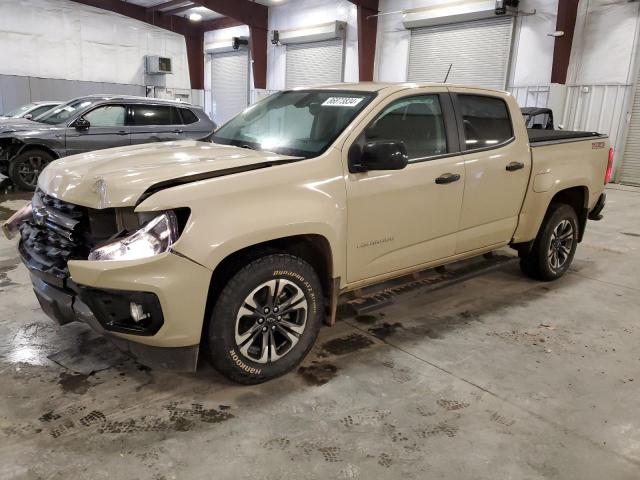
(532, 95)
(602, 108)
(16, 90)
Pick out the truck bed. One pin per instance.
(557, 136)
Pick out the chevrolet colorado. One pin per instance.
(239, 248)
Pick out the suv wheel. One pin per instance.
(555, 246)
(266, 319)
(26, 167)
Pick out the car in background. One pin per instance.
(90, 123)
(30, 110)
(537, 118)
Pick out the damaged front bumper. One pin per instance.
(169, 290)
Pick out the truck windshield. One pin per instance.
(302, 123)
(64, 112)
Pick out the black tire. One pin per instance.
(25, 168)
(295, 279)
(555, 245)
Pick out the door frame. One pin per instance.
(453, 147)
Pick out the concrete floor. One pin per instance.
(491, 378)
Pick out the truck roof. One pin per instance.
(391, 86)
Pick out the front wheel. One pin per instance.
(26, 167)
(555, 246)
(266, 319)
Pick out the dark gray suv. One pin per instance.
(93, 123)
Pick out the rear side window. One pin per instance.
(486, 121)
(417, 122)
(155, 115)
(188, 116)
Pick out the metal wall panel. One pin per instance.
(314, 63)
(531, 95)
(479, 52)
(630, 169)
(16, 90)
(229, 84)
(598, 108)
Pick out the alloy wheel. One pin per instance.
(30, 169)
(271, 321)
(560, 245)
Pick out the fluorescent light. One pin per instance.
(195, 17)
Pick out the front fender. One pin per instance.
(240, 210)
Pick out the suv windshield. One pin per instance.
(64, 112)
(300, 123)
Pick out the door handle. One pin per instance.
(513, 166)
(177, 131)
(447, 178)
(122, 132)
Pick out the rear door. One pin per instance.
(399, 219)
(155, 123)
(193, 127)
(497, 164)
(107, 128)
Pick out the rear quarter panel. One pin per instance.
(557, 167)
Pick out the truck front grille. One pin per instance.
(57, 233)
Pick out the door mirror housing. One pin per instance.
(28, 116)
(81, 124)
(378, 155)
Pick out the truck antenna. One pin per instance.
(448, 72)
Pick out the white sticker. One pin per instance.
(341, 102)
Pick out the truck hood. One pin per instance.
(118, 177)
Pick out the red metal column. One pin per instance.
(195, 59)
(566, 22)
(258, 43)
(367, 33)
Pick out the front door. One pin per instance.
(404, 218)
(106, 129)
(497, 167)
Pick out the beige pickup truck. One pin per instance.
(240, 248)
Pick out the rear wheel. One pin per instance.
(555, 246)
(266, 319)
(25, 168)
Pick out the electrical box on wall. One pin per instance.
(156, 65)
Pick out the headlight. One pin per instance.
(152, 238)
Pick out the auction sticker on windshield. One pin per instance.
(341, 102)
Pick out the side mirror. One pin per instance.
(378, 155)
(81, 124)
(28, 116)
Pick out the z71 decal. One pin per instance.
(597, 145)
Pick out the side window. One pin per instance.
(153, 115)
(486, 121)
(106, 116)
(416, 121)
(188, 117)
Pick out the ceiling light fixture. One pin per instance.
(195, 17)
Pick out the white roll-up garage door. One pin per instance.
(314, 63)
(630, 170)
(479, 51)
(229, 84)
